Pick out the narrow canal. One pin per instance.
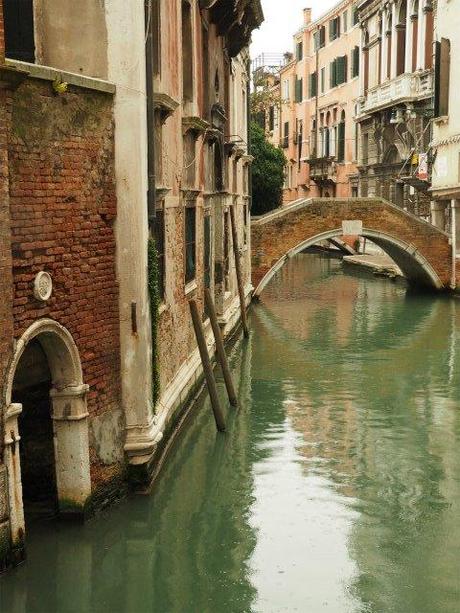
(336, 487)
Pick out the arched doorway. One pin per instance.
(31, 389)
(46, 407)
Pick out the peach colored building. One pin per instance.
(318, 91)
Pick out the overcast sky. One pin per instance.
(282, 19)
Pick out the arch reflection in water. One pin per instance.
(335, 489)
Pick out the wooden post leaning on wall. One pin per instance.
(220, 349)
(239, 276)
(207, 368)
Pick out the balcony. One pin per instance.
(407, 87)
(322, 169)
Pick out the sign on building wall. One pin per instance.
(352, 227)
(422, 170)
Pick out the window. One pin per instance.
(187, 52)
(245, 224)
(156, 33)
(159, 229)
(338, 71)
(365, 148)
(355, 62)
(286, 89)
(207, 251)
(341, 138)
(313, 84)
(442, 77)
(299, 141)
(189, 159)
(235, 176)
(298, 90)
(319, 38)
(299, 51)
(345, 21)
(19, 30)
(323, 79)
(245, 179)
(354, 15)
(286, 134)
(190, 242)
(205, 68)
(334, 28)
(158, 141)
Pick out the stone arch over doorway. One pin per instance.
(69, 416)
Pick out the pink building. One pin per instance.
(318, 91)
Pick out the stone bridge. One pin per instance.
(422, 251)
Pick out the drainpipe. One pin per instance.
(149, 65)
(318, 81)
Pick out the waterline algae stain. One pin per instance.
(335, 487)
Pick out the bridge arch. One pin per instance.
(420, 250)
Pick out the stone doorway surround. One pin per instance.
(70, 425)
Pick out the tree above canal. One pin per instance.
(267, 172)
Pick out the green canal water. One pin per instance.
(336, 487)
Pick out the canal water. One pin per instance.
(336, 487)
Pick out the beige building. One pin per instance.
(446, 126)
(318, 89)
(395, 105)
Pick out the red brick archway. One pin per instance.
(421, 250)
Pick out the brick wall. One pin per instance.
(274, 236)
(62, 206)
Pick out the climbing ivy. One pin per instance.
(154, 297)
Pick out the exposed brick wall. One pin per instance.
(62, 204)
(273, 237)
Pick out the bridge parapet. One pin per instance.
(421, 250)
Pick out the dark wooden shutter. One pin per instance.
(19, 29)
(442, 77)
(341, 142)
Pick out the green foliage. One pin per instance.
(154, 297)
(267, 172)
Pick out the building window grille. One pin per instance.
(190, 242)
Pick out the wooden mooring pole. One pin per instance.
(207, 368)
(220, 349)
(239, 276)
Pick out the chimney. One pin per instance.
(306, 16)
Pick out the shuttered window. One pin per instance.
(299, 51)
(354, 15)
(313, 84)
(298, 90)
(334, 28)
(286, 134)
(19, 30)
(442, 78)
(355, 62)
(338, 71)
(341, 141)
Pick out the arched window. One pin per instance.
(341, 138)
(366, 62)
(414, 20)
(389, 35)
(401, 39)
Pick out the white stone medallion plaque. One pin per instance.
(43, 286)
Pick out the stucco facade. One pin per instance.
(394, 109)
(445, 144)
(318, 91)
